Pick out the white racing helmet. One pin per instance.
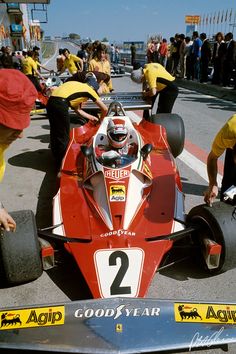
(117, 133)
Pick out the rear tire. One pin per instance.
(219, 224)
(175, 130)
(20, 250)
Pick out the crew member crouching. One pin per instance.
(157, 82)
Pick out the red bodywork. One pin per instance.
(118, 260)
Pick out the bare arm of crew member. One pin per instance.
(39, 75)
(86, 115)
(212, 170)
(80, 61)
(6, 221)
(150, 93)
(103, 107)
(43, 67)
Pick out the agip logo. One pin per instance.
(117, 193)
(207, 313)
(36, 317)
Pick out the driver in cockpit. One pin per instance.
(119, 150)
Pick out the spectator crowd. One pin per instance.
(197, 58)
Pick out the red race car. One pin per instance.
(120, 216)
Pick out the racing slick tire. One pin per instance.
(20, 251)
(175, 130)
(217, 223)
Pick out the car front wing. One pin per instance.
(118, 325)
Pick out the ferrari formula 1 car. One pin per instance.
(120, 218)
(113, 215)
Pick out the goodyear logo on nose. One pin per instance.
(35, 317)
(207, 313)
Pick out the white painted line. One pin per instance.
(53, 58)
(197, 165)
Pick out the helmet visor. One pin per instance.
(118, 136)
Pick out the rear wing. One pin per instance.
(118, 325)
(130, 101)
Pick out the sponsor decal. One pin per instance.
(117, 193)
(207, 313)
(121, 98)
(118, 233)
(36, 317)
(116, 174)
(122, 310)
(119, 328)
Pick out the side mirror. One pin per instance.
(145, 151)
(87, 150)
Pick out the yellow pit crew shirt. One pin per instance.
(69, 63)
(154, 72)
(102, 67)
(75, 93)
(225, 138)
(29, 66)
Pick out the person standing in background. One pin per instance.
(60, 60)
(133, 53)
(163, 52)
(6, 58)
(117, 55)
(101, 63)
(182, 56)
(189, 59)
(82, 54)
(218, 56)
(30, 69)
(71, 62)
(196, 51)
(205, 58)
(229, 63)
